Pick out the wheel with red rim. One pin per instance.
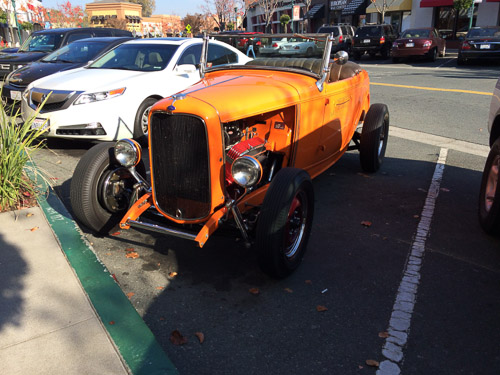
(489, 195)
(285, 222)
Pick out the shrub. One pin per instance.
(18, 142)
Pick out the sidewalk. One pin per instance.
(60, 310)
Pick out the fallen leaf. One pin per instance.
(29, 214)
(129, 249)
(288, 290)
(176, 338)
(383, 335)
(309, 282)
(360, 367)
(480, 129)
(162, 318)
(27, 194)
(132, 255)
(445, 190)
(34, 229)
(416, 216)
(58, 162)
(115, 234)
(366, 223)
(131, 294)
(159, 287)
(172, 274)
(200, 336)
(365, 175)
(254, 291)
(112, 322)
(321, 308)
(372, 363)
(108, 253)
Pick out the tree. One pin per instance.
(222, 11)
(148, 6)
(197, 22)
(65, 16)
(116, 23)
(284, 20)
(268, 8)
(382, 6)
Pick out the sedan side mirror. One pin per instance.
(185, 69)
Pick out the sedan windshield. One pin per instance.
(41, 43)
(139, 57)
(76, 52)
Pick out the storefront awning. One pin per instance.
(395, 6)
(436, 3)
(316, 12)
(354, 7)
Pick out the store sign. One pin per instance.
(296, 13)
(338, 4)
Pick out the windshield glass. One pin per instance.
(138, 57)
(416, 33)
(76, 52)
(41, 43)
(291, 51)
(490, 31)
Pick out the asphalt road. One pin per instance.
(427, 265)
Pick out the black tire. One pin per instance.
(489, 195)
(374, 137)
(285, 222)
(141, 120)
(461, 61)
(87, 192)
(432, 56)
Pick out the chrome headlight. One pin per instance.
(128, 152)
(246, 171)
(99, 96)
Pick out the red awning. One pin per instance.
(436, 3)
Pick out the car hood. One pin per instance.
(262, 91)
(36, 70)
(20, 57)
(93, 80)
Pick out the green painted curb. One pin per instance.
(131, 335)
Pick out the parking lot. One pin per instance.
(338, 309)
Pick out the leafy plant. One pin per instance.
(284, 20)
(18, 142)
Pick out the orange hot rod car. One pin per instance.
(239, 147)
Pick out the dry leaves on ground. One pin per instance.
(132, 255)
(321, 308)
(288, 290)
(366, 223)
(254, 291)
(372, 363)
(172, 274)
(200, 336)
(176, 338)
(131, 294)
(34, 229)
(383, 335)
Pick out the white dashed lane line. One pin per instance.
(400, 321)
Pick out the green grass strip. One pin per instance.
(131, 335)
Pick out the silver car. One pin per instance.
(489, 195)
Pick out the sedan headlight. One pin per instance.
(99, 96)
(246, 171)
(128, 152)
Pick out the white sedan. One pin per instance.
(110, 98)
(298, 46)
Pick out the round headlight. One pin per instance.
(246, 171)
(127, 152)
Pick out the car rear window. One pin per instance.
(329, 30)
(368, 31)
(416, 33)
(490, 31)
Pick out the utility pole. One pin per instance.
(291, 27)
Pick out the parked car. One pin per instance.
(480, 43)
(489, 193)
(71, 56)
(424, 42)
(343, 36)
(297, 46)
(373, 39)
(218, 160)
(110, 98)
(41, 43)
(271, 46)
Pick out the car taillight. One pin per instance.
(382, 40)
(427, 43)
(465, 45)
(341, 38)
(275, 45)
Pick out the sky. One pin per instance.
(172, 7)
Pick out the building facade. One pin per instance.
(100, 12)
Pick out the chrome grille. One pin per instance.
(180, 165)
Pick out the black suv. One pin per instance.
(42, 42)
(343, 36)
(373, 39)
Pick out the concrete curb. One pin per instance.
(133, 338)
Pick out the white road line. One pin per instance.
(399, 324)
(442, 142)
